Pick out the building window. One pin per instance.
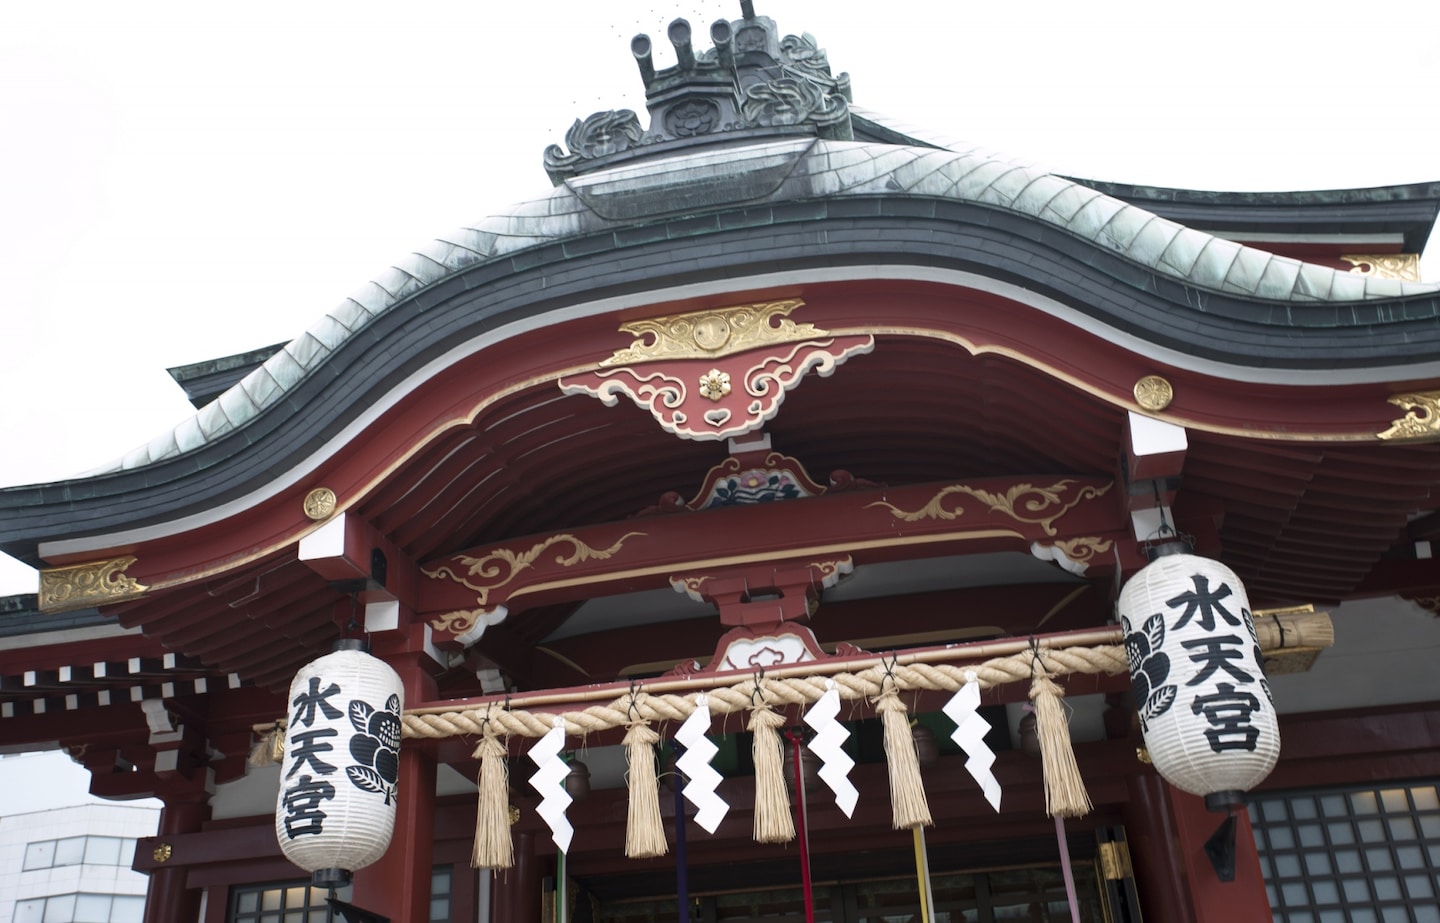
(78, 850)
(81, 908)
(1351, 854)
(297, 902)
(440, 889)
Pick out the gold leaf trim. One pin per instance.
(458, 622)
(320, 503)
(499, 567)
(93, 583)
(1032, 510)
(1421, 422)
(1402, 266)
(713, 332)
(1153, 393)
(1083, 550)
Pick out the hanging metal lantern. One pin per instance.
(336, 807)
(1205, 708)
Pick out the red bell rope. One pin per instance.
(802, 828)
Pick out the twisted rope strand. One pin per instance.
(730, 699)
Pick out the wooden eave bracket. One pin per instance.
(464, 592)
(351, 554)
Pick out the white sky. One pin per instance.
(183, 181)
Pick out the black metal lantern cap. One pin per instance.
(1167, 547)
(1224, 802)
(330, 878)
(351, 644)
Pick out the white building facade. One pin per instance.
(73, 864)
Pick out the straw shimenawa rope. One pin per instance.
(493, 846)
(644, 831)
(783, 691)
(880, 683)
(773, 823)
(909, 808)
(1065, 794)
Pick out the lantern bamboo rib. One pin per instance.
(782, 691)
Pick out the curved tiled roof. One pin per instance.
(789, 170)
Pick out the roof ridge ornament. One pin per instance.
(752, 83)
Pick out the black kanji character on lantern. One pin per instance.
(307, 702)
(302, 806)
(306, 746)
(1229, 714)
(1201, 601)
(1213, 655)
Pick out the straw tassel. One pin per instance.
(773, 823)
(907, 792)
(270, 748)
(1065, 794)
(493, 848)
(644, 832)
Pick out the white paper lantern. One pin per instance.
(336, 807)
(1195, 665)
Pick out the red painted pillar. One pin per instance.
(515, 892)
(167, 898)
(1167, 830)
(1217, 901)
(398, 886)
(1161, 878)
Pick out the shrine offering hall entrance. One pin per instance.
(867, 887)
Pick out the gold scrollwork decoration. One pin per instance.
(93, 583)
(713, 332)
(830, 572)
(1083, 550)
(1022, 502)
(497, 568)
(462, 620)
(162, 853)
(1422, 420)
(1402, 266)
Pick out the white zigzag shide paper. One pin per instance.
(828, 744)
(549, 781)
(710, 808)
(969, 733)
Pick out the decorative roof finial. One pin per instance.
(751, 83)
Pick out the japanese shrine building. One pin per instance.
(768, 381)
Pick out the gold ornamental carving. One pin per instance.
(1402, 266)
(94, 583)
(1083, 550)
(715, 384)
(1153, 393)
(714, 332)
(493, 571)
(320, 503)
(162, 853)
(1422, 421)
(1023, 503)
